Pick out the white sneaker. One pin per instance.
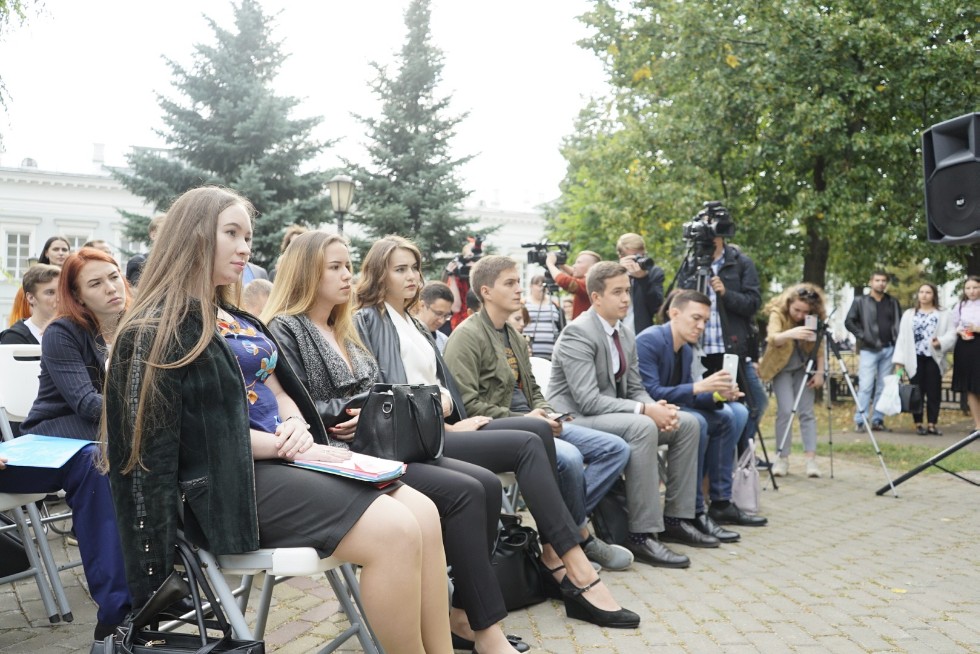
(811, 468)
(781, 467)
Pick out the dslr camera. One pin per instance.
(539, 254)
(644, 261)
(464, 263)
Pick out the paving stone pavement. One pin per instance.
(838, 570)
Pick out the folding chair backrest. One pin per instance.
(20, 366)
(541, 369)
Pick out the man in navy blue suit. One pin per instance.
(665, 353)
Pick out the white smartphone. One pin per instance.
(730, 365)
(810, 322)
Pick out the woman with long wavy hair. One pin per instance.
(201, 408)
(791, 343)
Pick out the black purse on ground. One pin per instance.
(516, 562)
(911, 396)
(134, 638)
(401, 422)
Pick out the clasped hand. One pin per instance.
(665, 416)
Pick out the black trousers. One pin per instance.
(501, 447)
(930, 380)
(468, 499)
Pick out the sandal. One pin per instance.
(933, 431)
(920, 430)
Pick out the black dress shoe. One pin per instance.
(579, 608)
(706, 525)
(686, 534)
(653, 552)
(732, 515)
(515, 641)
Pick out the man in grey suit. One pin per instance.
(595, 377)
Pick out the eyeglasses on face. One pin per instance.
(441, 315)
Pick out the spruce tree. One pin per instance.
(229, 128)
(411, 186)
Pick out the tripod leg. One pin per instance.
(765, 455)
(867, 424)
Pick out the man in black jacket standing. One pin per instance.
(736, 295)
(873, 319)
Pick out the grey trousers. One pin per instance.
(785, 386)
(643, 473)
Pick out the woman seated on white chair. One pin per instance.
(91, 297)
(200, 406)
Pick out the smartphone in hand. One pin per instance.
(730, 365)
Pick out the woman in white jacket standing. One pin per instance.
(924, 336)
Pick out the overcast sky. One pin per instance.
(86, 72)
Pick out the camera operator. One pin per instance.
(457, 277)
(734, 291)
(572, 278)
(646, 281)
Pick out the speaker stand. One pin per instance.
(934, 461)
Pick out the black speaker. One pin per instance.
(951, 156)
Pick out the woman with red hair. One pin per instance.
(91, 298)
(92, 295)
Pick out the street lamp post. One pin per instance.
(341, 189)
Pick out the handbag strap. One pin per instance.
(417, 419)
(196, 580)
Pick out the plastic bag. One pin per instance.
(890, 402)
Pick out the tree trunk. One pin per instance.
(973, 261)
(817, 246)
(816, 254)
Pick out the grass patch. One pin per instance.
(856, 446)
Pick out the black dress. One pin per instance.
(296, 507)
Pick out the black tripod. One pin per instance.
(867, 422)
(934, 461)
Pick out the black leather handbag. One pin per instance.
(911, 396)
(516, 561)
(135, 638)
(401, 422)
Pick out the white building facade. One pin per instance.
(37, 204)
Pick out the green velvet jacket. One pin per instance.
(197, 452)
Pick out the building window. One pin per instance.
(127, 249)
(76, 241)
(18, 252)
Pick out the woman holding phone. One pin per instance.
(791, 343)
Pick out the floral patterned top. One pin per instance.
(924, 328)
(257, 357)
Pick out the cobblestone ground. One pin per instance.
(838, 570)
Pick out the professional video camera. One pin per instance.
(714, 220)
(539, 255)
(465, 262)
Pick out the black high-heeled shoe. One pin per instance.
(551, 586)
(579, 608)
(515, 641)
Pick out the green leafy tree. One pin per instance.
(411, 186)
(803, 117)
(229, 128)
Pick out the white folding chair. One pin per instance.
(280, 564)
(18, 389)
(38, 553)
